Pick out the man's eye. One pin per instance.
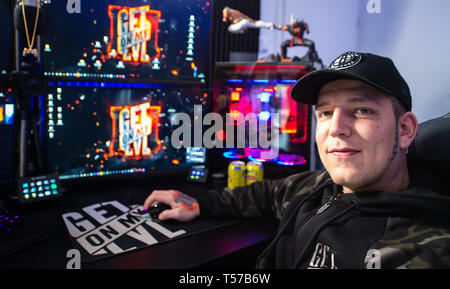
(364, 111)
(323, 114)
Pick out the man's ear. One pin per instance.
(407, 125)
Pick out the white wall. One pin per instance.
(413, 33)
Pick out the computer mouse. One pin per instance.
(153, 212)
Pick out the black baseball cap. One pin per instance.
(374, 70)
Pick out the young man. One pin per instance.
(361, 212)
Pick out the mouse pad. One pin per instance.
(106, 229)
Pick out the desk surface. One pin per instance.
(244, 239)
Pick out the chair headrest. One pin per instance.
(429, 155)
(432, 143)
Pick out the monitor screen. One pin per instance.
(128, 39)
(5, 36)
(7, 134)
(105, 129)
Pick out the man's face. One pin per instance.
(355, 134)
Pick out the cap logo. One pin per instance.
(346, 60)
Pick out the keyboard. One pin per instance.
(15, 235)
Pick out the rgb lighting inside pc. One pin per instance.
(128, 39)
(100, 129)
(263, 98)
(7, 132)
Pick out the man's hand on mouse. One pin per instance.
(184, 207)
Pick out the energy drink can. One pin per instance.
(255, 172)
(236, 174)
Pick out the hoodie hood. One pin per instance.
(410, 202)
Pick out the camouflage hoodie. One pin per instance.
(321, 228)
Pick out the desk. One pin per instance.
(232, 246)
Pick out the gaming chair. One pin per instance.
(429, 155)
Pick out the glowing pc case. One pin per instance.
(263, 89)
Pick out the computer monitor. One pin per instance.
(7, 134)
(6, 34)
(157, 40)
(98, 129)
